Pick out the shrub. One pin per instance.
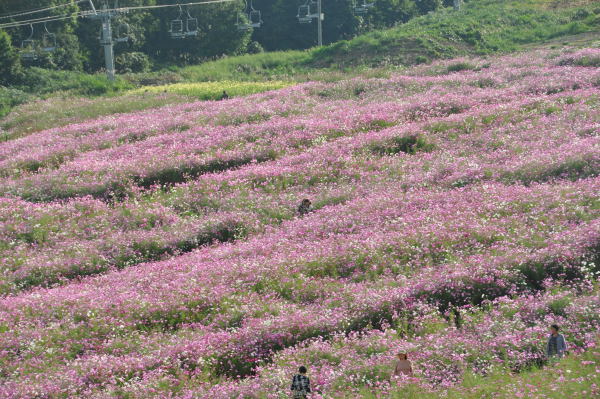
(406, 144)
(153, 78)
(10, 98)
(9, 60)
(214, 90)
(255, 47)
(43, 81)
(460, 66)
(132, 62)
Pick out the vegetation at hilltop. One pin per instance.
(482, 27)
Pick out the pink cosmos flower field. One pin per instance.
(158, 254)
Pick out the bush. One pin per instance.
(9, 60)
(406, 144)
(132, 62)
(10, 98)
(214, 90)
(460, 66)
(255, 47)
(43, 81)
(153, 78)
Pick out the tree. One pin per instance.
(387, 13)
(10, 65)
(281, 30)
(217, 35)
(425, 6)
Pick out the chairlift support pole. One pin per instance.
(107, 41)
(457, 4)
(319, 24)
(106, 36)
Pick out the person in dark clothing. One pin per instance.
(557, 346)
(224, 96)
(300, 384)
(305, 207)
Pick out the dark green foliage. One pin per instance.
(9, 61)
(132, 62)
(425, 6)
(43, 81)
(387, 13)
(255, 47)
(167, 177)
(10, 98)
(460, 66)
(406, 144)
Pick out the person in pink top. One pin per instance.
(403, 366)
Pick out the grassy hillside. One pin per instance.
(573, 377)
(456, 215)
(482, 27)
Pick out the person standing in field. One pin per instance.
(403, 366)
(557, 345)
(224, 96)
(300, 384)
(305, 207)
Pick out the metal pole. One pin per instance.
(457, 5)
(107, 42)
(320, 24)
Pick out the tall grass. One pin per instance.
(214, 90)
(60, 111)
(572, 377)
(262, 66)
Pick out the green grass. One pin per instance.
(255, 67)
(482, 27)
(60, 111)
(43, 82)
(213, 90)
(572, 377)
(10, 98)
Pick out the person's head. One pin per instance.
(402, 356)
(302, 370)
(306, 201)
(554, 328)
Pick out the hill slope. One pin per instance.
(481, 27)
(456, 216)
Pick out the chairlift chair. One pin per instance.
(304, 15)
(364, 8)
(48, 40)
(249, 20)
(191, 25)
(122, 33)
(255, 18)
(176, 31)
(28, 47)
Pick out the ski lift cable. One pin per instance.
(198, 3)
(36, 21)
(40, 10)
(88, 13)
